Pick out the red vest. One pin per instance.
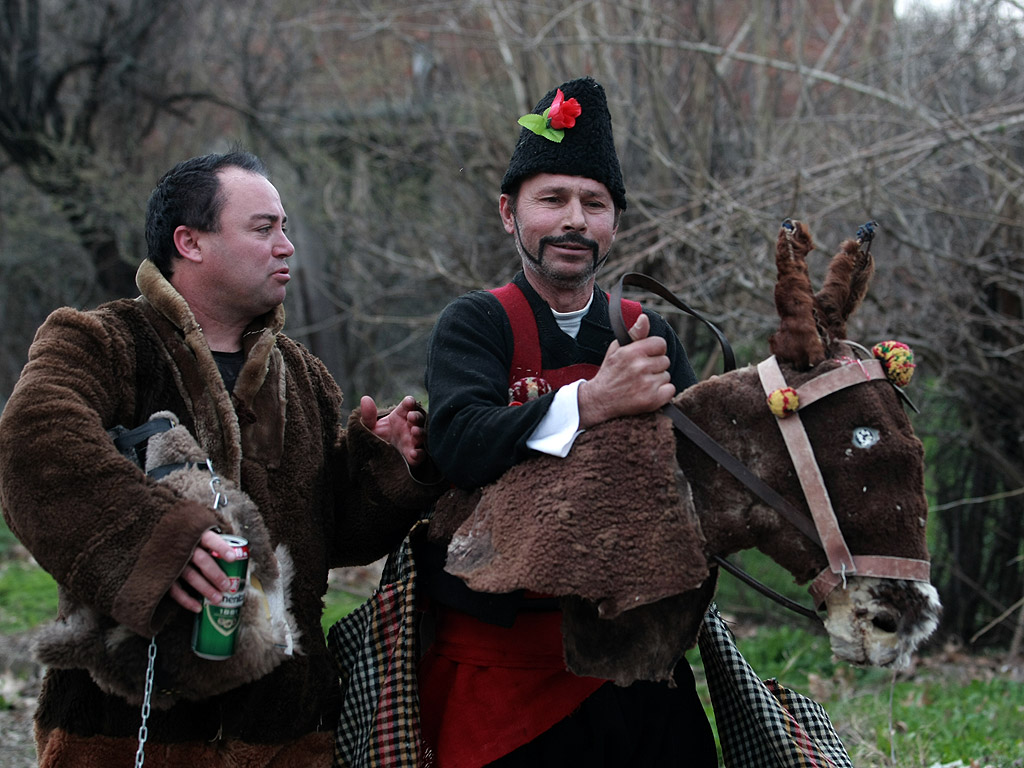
(526, 353)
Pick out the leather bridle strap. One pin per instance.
(765, 590)
(802, 454)
(841, 562)
(638, 280)
(852, 373)
(881, 566)
(737, 469)
(756, 485)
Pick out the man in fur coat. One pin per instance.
(203, 342)
(519, 371)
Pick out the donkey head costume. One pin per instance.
(628, 528)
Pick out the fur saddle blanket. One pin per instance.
(116, 657)
(611, 529)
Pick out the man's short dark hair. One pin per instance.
(190, 195)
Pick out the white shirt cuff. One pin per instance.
(560, 426)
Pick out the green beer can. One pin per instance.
(213, 634)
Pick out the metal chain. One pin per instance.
(140, 755)
(220, 499)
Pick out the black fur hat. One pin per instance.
(586, 149)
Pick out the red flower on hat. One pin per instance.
(562, 113)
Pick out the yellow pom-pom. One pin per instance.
(783, 402)
(897, 359)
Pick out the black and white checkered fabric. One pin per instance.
(762, 724)
(376, 650)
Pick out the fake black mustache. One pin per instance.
(570, 238)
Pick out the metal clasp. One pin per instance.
(219, 499)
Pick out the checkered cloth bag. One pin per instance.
(762, 724)
(376, 648)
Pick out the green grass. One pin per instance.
(28, 596)
(939, 715)
(338, 603)
(7, 539)
(961, 708)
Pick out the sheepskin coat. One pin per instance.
(116, 540)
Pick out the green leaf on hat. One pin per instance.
(539, 125)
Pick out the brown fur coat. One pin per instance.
(116, 540)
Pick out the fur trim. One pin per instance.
(218, 429)
(116, 657)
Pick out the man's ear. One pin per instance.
(187, 242)
(506, 207)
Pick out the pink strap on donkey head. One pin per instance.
(812, 328)
(841, 562)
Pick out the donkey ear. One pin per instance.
(846, 284)
(797, 341)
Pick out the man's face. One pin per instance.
(563, 226)
(244, 264)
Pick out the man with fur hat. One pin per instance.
(134, 557)
(493, 685)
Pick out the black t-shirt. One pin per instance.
(229, 364)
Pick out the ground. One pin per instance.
(19, 687)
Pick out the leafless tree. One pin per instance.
(388, 126)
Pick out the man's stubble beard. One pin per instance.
(560, 281)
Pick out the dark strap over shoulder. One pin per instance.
(124, 439)
(621, 324)
(131, 443)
